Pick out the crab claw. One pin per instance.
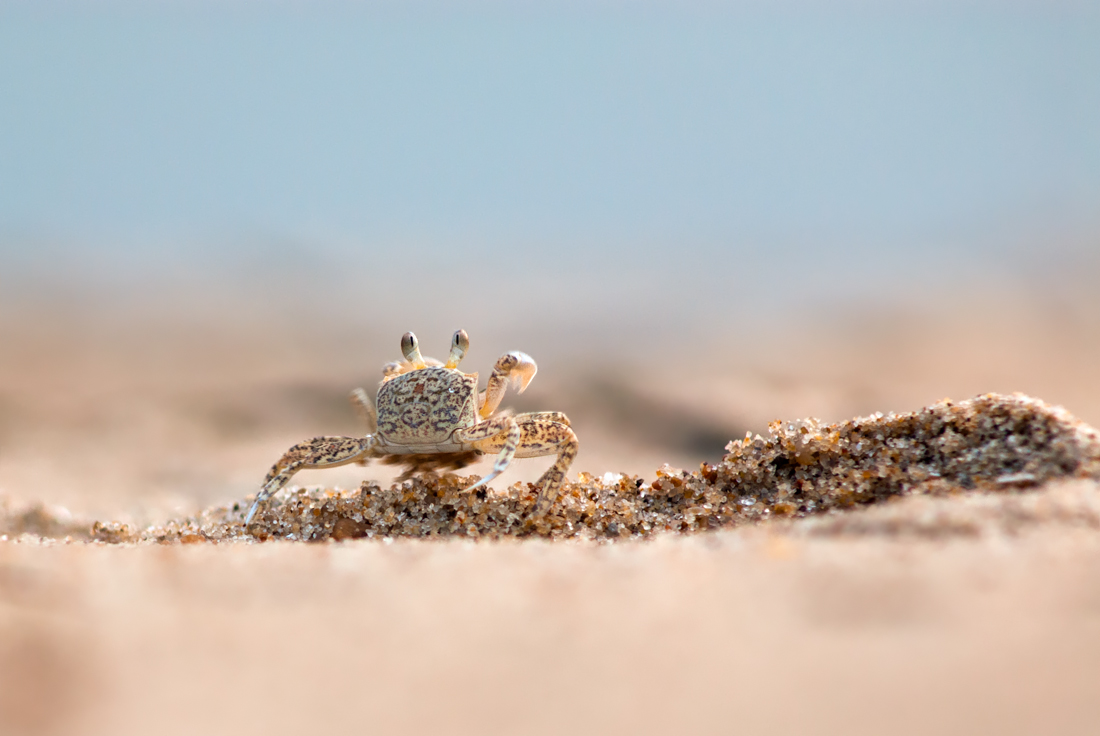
(514, 368)
(523, 371)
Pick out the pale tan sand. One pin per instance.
(991, 626)
(958, 614)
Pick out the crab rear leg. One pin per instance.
(501, 434)
(319, 452)
(543, 433)
(364, 407)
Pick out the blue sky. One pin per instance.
(361, 122)
(816, 150)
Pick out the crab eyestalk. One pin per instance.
(411, 350)
(460, 343)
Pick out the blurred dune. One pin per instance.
(121, 402)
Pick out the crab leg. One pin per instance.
(544, 433)
(516, 368)
(364, 407)
(502, 433)
(545, 438)
(319, 452)
(542, 416)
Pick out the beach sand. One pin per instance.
(966, 605)
(889, 623)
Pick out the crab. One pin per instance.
(430, 415)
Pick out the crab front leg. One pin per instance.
(543, 433)
(516, 368)
(319, 452)
(546, 433)
(542, 416)
(501, 434)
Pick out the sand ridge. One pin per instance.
(991, 444)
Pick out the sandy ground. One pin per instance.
(799, 628)
(136, 416)
(884, 626)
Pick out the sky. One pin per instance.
(750, 132)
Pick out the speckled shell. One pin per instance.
(426, 406)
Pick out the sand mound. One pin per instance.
(992, 443)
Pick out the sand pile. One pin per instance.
(990, 443)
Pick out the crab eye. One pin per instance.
(408, 346)
(461, 340)
(459, 344)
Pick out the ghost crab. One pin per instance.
(430, 414)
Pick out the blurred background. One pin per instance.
(218, 218)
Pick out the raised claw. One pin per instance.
(513, 368)
(523, 371)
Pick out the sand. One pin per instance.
(955, 589)
(883, 624)
(901, 602)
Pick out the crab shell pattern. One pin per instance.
(426, 406)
